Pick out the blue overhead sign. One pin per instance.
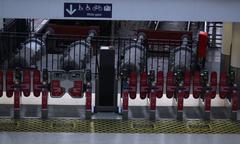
(88, 10)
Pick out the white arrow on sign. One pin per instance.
(71, 11)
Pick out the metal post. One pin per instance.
(45, 94)
(152, 95)
(207, 105)
(125, 99)
(88, 112)
(180, 97)
(125, 93)
(17, 93)
(234, 102)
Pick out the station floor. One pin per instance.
(135, 112)
(115, 138)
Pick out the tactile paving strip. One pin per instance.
(119, 126)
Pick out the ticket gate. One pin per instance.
(150, 88)
(41, 87)
(228, 90)
(80, 83)
(156, 91)
(129, 89)
(17, 93)
(147, 90)
(205, 91)
(56, 90)
(88, 112)
(178, 88)
(17, 83)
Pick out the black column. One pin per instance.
(106, 98)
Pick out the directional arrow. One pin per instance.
(71, 11)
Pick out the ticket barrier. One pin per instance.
(17, 93)
(17, 82)
(228, 90)
(88, 112)
(150, 88)
(129, 89)
(76, 83)
(16, 85)
(178, 88)
(41, 88)
(156, 91)
(205, 91)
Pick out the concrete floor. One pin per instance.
(115, 138)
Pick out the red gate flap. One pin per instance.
(207, 101)
(223, 85)
(9, 84)
(180, 100)
(187, 79)
(213, 81)
(235, 100)
(17, 95)
(153, 101)
(125, 100)
(159, 84)
(1, 83)
(37, 85)
(133, 85)
(44, 99)
(197, 88)
(88, 100)
(143, 85)
(56, 90)
(76, 90)
(26, 84)
(170, 84)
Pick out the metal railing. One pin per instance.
(66, 52)
(214, 30)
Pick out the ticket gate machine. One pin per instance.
(17, 83)
(205, 90)
(150, 88)
(41, 88)
(228, 90)
(77, 82)
(178, 88)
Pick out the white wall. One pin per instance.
(1, 23)
(235, 55)
(227, 38)
(177, 10)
